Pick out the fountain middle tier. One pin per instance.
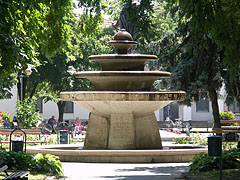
(122, 80)
(122, 120)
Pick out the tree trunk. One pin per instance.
(214, 100)
(61, 105)
(33, 89)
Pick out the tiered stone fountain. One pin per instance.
(122, 126)
(122, 105)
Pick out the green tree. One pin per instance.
(56, 74)
(190, 53)
(6, 84)
(213, 30)
(220, 20)
(27, 24)
(25, 113)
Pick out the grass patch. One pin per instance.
(33, 176)
(228, 174)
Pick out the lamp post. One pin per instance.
(27, 73)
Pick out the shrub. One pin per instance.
(48, 164)
(194, 138)
(227, 115)
(203, 162)
(3, 115)
(25, 113)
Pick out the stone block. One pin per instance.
(147, 133)
(97, 133)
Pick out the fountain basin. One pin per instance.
(120, 62)
(122, 120)
(122, 80)
(108, 102)
(72, 153)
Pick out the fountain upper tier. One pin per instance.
(122, 71)
(122, 61)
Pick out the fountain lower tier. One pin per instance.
(122, 120)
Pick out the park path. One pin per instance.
(126, 171)
(114, 171)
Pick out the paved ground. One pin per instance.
(113, 171)
(107, 171)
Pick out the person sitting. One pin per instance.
(15, 122)
(6, 123)
(52, 122)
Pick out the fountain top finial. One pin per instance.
(123, 35)
(122, 41)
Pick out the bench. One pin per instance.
(228, 129)
(27, 131)
(198, 124)
(15, 175)
(38, 142)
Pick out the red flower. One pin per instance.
(7, 135)
(71, 135)
(46, 132)
(49, 133)
(66, 128)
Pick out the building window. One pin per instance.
(68, 107)
(39, 105)
(235, 107)
(202, 106)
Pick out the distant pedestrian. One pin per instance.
(78, 126)
(52, 122)
(6, 123)
(40, 120)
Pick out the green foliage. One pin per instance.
(25, 25)
(25, 113)
(220, 21)
(194, 138)
(4, 115)
(203, 162)
(140, 16)
(227, 115)
(182, 140)
(48, 164)
(6, 84)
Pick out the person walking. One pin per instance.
(40, 120)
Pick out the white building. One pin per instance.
(201, 111)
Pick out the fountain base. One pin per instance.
(122, 131)
(169, 154)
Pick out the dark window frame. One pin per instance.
(235, 108)
(69, 107)
(200, 106)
